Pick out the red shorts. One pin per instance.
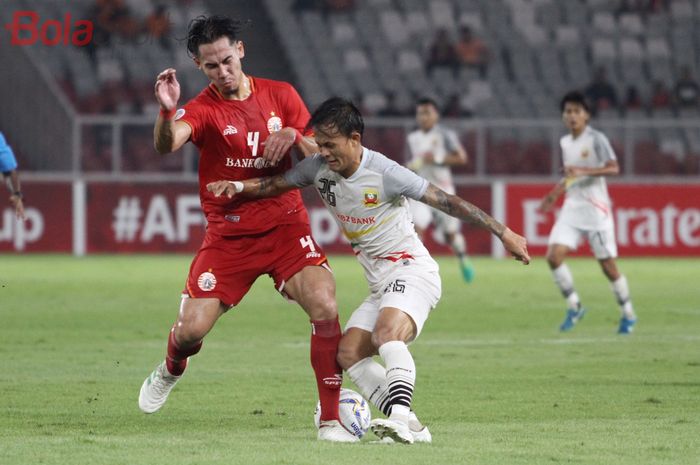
(227, 266)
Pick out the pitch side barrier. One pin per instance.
(161, 214)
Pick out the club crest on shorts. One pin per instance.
(206, 281)
(274, 124)
(371, 197)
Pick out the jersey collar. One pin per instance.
(363, 161)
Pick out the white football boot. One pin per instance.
(333, 431)
(155, 389)
(419, 431)
(399, 432)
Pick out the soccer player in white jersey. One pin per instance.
(434, 150)
(367, 192)
(587, 211)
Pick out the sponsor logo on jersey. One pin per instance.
(274, 124)
(206, 281)
(230, 130)
(257, 163)
(371, 197)
(355, 219)
(179, 113)
(585, 153)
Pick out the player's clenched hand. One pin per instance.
(278, 143)
(516, 245)
(219, 188)
(167, 89)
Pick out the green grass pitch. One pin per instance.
(497, 383)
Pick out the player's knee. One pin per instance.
(553, 260)
(382, 335)
(190, 332)
(322, 306)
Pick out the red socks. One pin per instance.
(176, 361)
(325, 335)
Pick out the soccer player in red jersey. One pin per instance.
(244, 127)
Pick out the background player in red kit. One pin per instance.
(244, 127)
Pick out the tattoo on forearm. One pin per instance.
(271, 186)
(164, 136)
(459, 208)
(264, 186)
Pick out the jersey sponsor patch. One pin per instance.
(274, 123)
(206, 281)
(230, 130)
(179, 113)
(371, 197)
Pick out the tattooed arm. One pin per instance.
(256, 187)
(470, 213)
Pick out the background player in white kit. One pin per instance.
(587, 211)
(367, 194)
(434, 150)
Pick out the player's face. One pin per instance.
(341, 153)
(426, 116)
(575, 116)
(221, 63)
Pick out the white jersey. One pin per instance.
(371, 209)
(587, 204)
(440, 142)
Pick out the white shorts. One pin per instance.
(602, 241)
(423, 215)
(412, 290)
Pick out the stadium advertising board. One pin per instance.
(48, 220)
(650, 219)
(124, 217)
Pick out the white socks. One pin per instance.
(622, 294)
(370, 377)
(565, 281)
(390, 389)
(400, 377)
(458, 244)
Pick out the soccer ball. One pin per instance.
(354, 412)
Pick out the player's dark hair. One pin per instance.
(209, 29)
(575, 97)
(338, 115)
(427, 101)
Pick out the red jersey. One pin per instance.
(230, 135)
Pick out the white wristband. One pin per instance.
(237, 186)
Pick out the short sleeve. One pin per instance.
(451, 140)
(295, 112)
(399, 180)
(304, 172)
(602, 148)
(192, 113)
(8, 162)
